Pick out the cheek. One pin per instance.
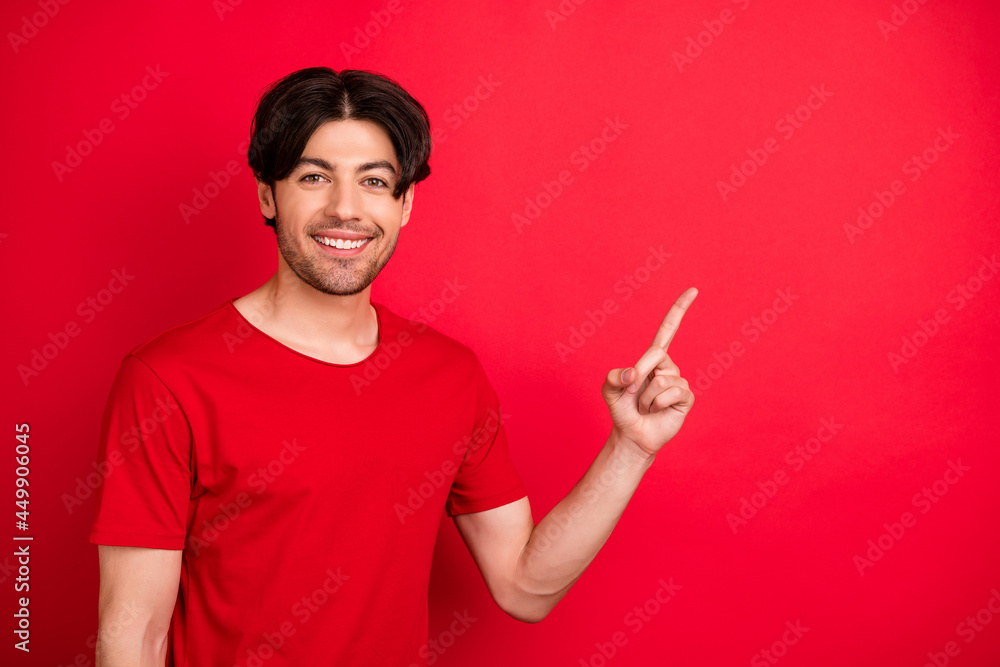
(386, 212)
(300, 208)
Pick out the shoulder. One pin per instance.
(400, 332)
(202, 336)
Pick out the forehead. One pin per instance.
(351, 141)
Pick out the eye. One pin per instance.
(375, 182)
(312, 178)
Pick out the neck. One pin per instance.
(300, 315)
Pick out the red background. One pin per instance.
(655, 184)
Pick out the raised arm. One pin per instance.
(528, 569)
(138, 591)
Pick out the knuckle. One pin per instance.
(667, 376)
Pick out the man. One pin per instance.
(279, 465)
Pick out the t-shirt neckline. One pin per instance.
(378, 345)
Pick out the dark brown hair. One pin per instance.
(292, 108)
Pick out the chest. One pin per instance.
(298, 442)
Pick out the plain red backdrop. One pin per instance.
(690, 91)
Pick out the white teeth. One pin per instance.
(341, 243)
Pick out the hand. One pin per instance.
(648, 402)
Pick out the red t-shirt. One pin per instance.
(306, 495)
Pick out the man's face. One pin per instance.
(339, 194)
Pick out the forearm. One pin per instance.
(565, 542)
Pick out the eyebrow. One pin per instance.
(384, 165)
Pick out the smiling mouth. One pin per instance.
(342, 243)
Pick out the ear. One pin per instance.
(407, 203)
(265, 197)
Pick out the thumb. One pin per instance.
(618, 381)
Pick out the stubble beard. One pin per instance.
(340, 276)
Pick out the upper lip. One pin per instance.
(342, 234)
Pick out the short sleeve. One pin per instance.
(144, 460)
(487, 477)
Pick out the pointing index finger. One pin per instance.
(672, 321)
(658, 350)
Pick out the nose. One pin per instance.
(343, 201)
